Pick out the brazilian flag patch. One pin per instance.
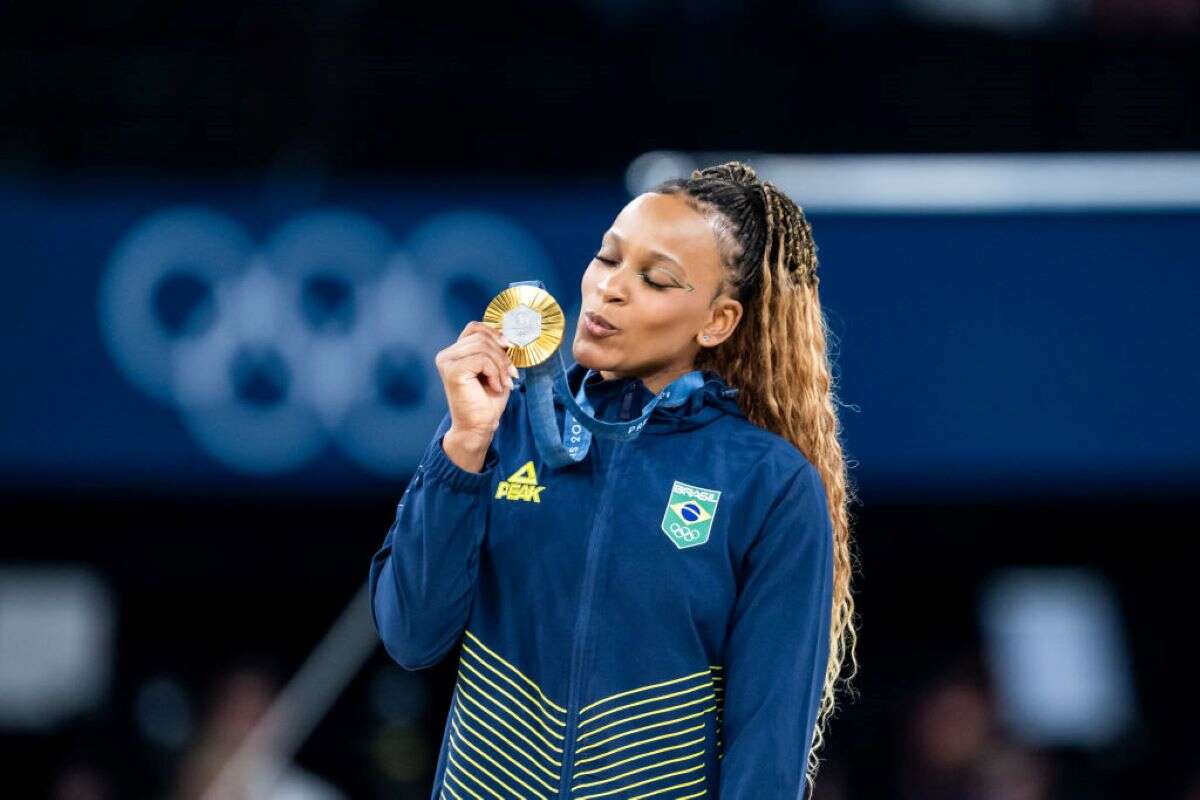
(688, 516)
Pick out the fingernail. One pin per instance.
(504, 341)
(512, 370)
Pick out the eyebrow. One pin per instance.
(656, 254)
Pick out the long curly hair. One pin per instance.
(777, 358)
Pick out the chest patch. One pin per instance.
(521, 485)
(688, 517)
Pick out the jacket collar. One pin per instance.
(712, 400)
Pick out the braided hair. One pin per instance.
(778, 360)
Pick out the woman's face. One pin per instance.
(656, 247)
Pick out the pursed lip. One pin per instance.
(601, 321)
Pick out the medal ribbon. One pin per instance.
(548, 378)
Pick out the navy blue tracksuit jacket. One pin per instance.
(651, 622)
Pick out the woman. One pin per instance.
(668, 617)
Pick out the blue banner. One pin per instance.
(199, 337)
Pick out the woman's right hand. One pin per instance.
(477, 376)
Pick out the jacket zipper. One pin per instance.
(581, 621)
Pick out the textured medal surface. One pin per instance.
(531, 319)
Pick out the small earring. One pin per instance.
(706, 338)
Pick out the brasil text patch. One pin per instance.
(689, 514)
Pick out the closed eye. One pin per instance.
(645, 278)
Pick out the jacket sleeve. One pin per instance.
(422, 580)
(777, 647)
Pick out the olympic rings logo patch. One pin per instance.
(684, 532)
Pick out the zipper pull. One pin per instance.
(627, 404)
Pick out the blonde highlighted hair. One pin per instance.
(778, 359)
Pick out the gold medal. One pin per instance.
(531, 319)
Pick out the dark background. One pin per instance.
(1072, 436)
(571, 88)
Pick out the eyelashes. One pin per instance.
(645, 279)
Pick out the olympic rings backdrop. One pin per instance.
(213, 337)
(324, 333)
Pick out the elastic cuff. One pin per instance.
(438, 466)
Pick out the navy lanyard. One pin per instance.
(579, 423)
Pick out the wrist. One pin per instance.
(466, 449)
(473, 441)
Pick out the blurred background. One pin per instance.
(236, 234)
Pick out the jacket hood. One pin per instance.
(712, 400)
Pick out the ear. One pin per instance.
(723, 319)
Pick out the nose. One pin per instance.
(612, 284)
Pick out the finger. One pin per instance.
(507, 367)
(473, 326)
(480, 327)
(478, 333)
(510, 366)
(503, 377)
(497, 336)
(488, 365)
(475, 367)
(488, 338)
(505, 348)
(477, 343)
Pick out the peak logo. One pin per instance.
(521, 485)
